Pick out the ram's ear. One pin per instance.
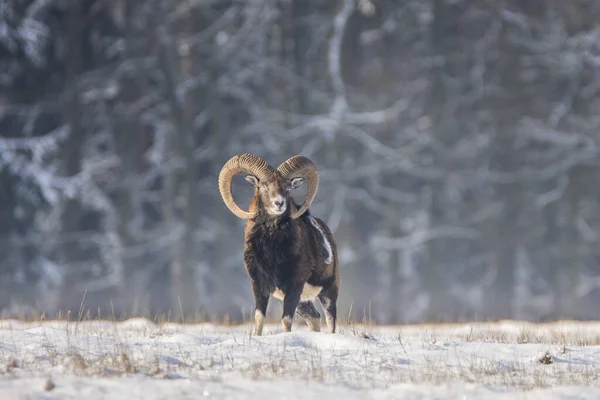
(252, 180)
(297, 182)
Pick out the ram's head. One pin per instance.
(272, 186)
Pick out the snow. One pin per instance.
(138, 358)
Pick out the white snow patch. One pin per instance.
(138, 359)
(326, 243)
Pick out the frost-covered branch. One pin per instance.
(334, 57)
(47, 142)
(556, 169)
(423, 236)
(554, 194)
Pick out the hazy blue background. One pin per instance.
(457, 142)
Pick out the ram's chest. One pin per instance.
(271, 257)
(273, 252)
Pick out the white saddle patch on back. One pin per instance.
(309, 292)
(326, 243)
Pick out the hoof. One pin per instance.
(314, 325)
(287, 324)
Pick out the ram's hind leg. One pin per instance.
(307, 310)
(328, 298)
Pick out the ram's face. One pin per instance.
(274, 193)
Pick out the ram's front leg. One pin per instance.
(261, 302)
(290, 302)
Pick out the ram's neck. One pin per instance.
(252, 208)
(292, 206)
(254, 203)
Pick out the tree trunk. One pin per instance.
(437, 103)
(398, 261)
(505, 232)
(301, 37)
(180, 148)
(128, 140)
(71, 252)
(567, 256)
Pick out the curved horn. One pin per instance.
(297, 166)
(243, 163)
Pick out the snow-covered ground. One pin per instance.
(138, 359)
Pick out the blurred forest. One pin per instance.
(457, 143)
